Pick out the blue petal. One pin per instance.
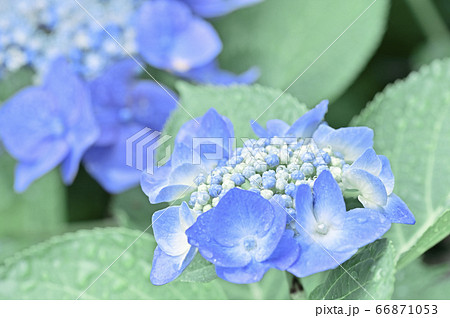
(182, 154)
(109, 94)
(368, 161)
(251, 273)
(169, 226)
(286, 252)
(306, 125)
(201, 235)
(210, 136)
(24, 127)
(386, 175)
(215, 8)
(27, 172)
(259, 130)
(170, 37)
(372, 191)
(241, 216)
(351, 141)
(362, 226)
(397, 211)
(81, 136)
(151, 104)
(107, 164)
(166, 268)
(277, 127)
(314, 259)
(304, 207)
(158, 188)
(213, 74)
(73, 102)
(329, 205)
(185, 174)
(71, 94)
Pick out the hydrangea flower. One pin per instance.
(173, 252)
(280, 201)
(215, 8)
(244, 236)
(47, 125)
(371, 177)
(33, 33)
(123, 106)
(328, 235)
(171, 37)
(178, 175)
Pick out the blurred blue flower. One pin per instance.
(328, 234)
(215, 8)
(303, 127)
(212, 131)
(170, 37)
(211, 73)
(173, 252)
(371, 176)
(123, 106)
(244, 236)
(34, 32)
(47, 125)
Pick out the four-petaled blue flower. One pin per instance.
(47, 125)
(123, 106)
(328, 234)
(244, 236)
(372, 179)
(170, 37)
(173, 252)
(212, 132)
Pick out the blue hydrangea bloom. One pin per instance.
(304, 126)
(170, 37)
(371, 176)
(242, 201)
(244, 236)
(32, 32)
(215, 8)
(173, 252)
(211, 73)
(177, 176)
(351, 142)
(328, 234)
(59, 131)
(123, 106)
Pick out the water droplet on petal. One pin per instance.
(361, 220)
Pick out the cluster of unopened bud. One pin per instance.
(269, 167)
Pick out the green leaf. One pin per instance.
(372, 272)
(421, 281)
(283, 38)
(64, 267)
(410, 123)
(15, 81)
(133, 210)
(38, 211)
(239, 103)
(200, 270)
